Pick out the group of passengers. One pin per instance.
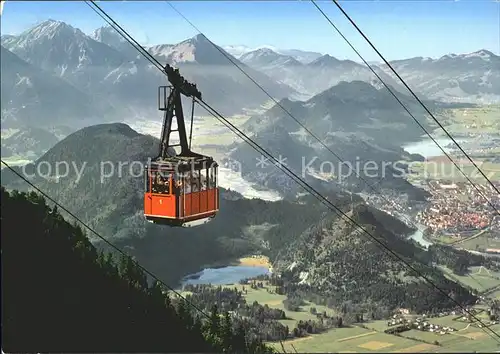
(192, 182)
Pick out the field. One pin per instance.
(210, 131)
(447, 170)
(495, 295)
(483, 119)
(6, 133)
(276, 301)
(444, 239)
(459, 122)
(484, 241)
(354, 340)
(371, 339)
(479, 278)
(255, 261)
(15, 161)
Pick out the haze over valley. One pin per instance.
(88, 99)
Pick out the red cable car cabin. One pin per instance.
(184, 198)
(179, 189)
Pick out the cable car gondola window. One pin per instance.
(188, 193)
(211, 181)
(193, 181)
(214, 175)
(203, 179)
(161, 182)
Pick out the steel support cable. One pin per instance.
(409, 89)
(154, 62)
(119, 29)
(157, 64)
(109, 243)
(320, 197)
(370, 185)
(287, 111)
(334, 208)
(215, 113)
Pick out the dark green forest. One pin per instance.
(61, 294)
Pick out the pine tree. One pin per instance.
(227, 332)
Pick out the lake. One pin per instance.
(225, 275)
(418, 236)
(427, 148)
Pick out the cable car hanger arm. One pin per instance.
(180, 83)
(173, 108)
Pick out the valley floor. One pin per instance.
(369, 337)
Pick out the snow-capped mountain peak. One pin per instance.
(50, 29)
(62, 49)
(197, 39)
(324, 60)
(107, 35)
(197, 49)
(260, 53)
(480, 54)
(266, 57)
(483, 54)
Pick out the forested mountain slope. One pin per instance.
(112, 203)
(59, 294)
(335, 262)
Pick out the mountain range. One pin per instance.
(57, 78)
(34, 97)
(103, 67)
(311, 78)
(353, 121)
(303, 56)
(472, 77)
(113, 207)
(53, 73)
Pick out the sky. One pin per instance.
(399, 29)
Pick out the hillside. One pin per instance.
(363, 125)
(336, 263)
(314, 76)
(114, 207)
(34, 97)
(354, 107)
(85, 301)
(471, 77)
(29, 142)
(106, 68)
(302, 231)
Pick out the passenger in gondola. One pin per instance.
(212, 181)
(159, 184)
(187, 186)
(155, 183)
(195, 182)
(179, 185)
(163, 184)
